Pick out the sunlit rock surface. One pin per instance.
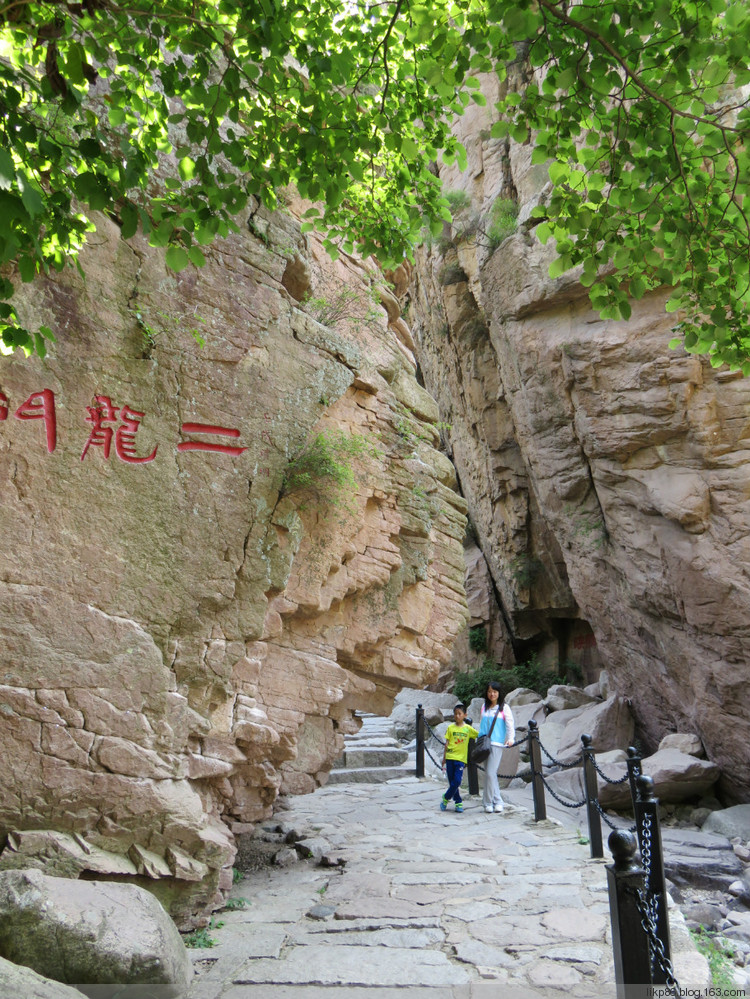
(182, 635)
(607, 476)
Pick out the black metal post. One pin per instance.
(419, 772)
(634, 772)
(592, 798)
(629, 939)
(472, 772)
(537, 784)
(652, 858)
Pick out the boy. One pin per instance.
(455, 756)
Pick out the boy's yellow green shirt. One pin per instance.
(457, 741)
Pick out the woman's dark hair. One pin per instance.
(500, 696)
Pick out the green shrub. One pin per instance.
(323, 466)
(478, 639)
(719, 953)
(503, 221)
(458, 200)
(473, 683)
(531, 674)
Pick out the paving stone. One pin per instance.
(323, 992)
(339, 965)
(408, 938)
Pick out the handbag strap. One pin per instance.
(497, 715)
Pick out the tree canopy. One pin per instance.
(169, 116)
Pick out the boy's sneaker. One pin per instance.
(443, 804)
(459, 807)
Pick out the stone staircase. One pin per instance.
(372, 755)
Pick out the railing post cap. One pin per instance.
(587, 740)
(533, 723)
(623, 846)
(645, 787)
(633, 753)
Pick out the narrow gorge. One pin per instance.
(235, 512)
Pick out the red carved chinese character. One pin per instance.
(3, 406)
(101, 436)
(41, 406)
(207, 428)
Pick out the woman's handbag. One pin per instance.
(482, 747)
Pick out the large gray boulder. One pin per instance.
(551, 731)
(524, 713)
(686, 742)
(730, 822)
(404, 718)
(561, 696)
(18, 982)
(522, 695)
(676, 776)
(609, 723)
(89, 932)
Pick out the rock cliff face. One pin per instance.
(211, 555)
(607, 477)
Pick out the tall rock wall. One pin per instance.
(607, 476)
(186, 626)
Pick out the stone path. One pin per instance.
(436, 904)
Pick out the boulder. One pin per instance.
(551, 731)
(427, 698)
(561, 696)
(18, 982)
(730, 822)
(404, 718)
(523, 714)
(685, 742)
(568, 784)
(676, 778)
(474, 710)
(700, 859)
(522, 695)
(89, 932)
(593, 689)
(609, 723)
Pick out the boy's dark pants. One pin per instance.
(454, 770)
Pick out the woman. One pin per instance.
(503, 734)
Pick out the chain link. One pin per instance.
(609, 780)
(656, 947)
(432, 732)
(604, 816)
(559, 763)
(567, 804)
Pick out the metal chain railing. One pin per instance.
(606, 817)
(605, 778)
(648, 907)
(556, 796)
(559, 763)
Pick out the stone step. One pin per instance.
(369, 775)
(371, 740)
(374, 756)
